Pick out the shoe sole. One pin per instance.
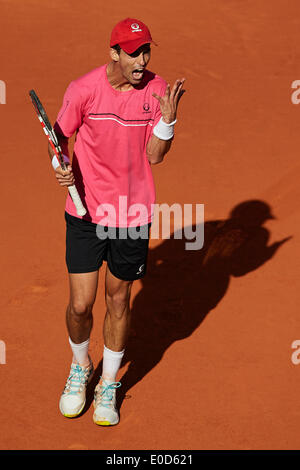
(105, 423)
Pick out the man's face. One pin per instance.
(132, 66)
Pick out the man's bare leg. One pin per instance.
(79, 316)
(117, 319)
(115, 332)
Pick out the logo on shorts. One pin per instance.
(135, 28)
(141, 269)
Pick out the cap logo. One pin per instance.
(135, 28)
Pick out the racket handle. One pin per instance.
(80, 209)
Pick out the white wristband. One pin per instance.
(55, 162)
(164, 131)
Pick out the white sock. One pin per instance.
(111, 364)
(80, 352)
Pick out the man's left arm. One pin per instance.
(161, 140)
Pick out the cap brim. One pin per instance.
(131, 46)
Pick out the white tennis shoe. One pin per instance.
(73, 398)
(105, 413)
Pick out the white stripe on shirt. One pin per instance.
(119, 122)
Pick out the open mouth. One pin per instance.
(138, 74)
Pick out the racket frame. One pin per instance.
(53, 141)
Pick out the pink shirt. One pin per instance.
(112, 173)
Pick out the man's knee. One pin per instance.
(80, 308)
(117, 301)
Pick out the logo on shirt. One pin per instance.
(146, 107)
(135, 28)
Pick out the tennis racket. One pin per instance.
(49, 131)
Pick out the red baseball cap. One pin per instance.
(130, 34)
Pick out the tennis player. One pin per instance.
(123, 116)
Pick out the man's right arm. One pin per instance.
(69, 120)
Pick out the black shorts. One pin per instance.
(87, 247)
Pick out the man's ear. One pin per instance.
(114, 55)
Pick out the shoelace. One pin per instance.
(105, 393)
(77, 378)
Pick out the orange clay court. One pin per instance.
(209, 361)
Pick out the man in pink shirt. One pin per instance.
(123, 116)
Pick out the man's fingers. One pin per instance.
(177, 87)
(168, 91)
(159, 98)
(178, 92)
(68, 183)
(65, 177)
(62, 172)
(171, 97)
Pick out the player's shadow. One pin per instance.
(182, 286)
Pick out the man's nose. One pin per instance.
(141, 59)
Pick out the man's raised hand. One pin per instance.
(169, 102)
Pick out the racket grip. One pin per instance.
(80, 209)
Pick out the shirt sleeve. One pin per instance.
(70, 116)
